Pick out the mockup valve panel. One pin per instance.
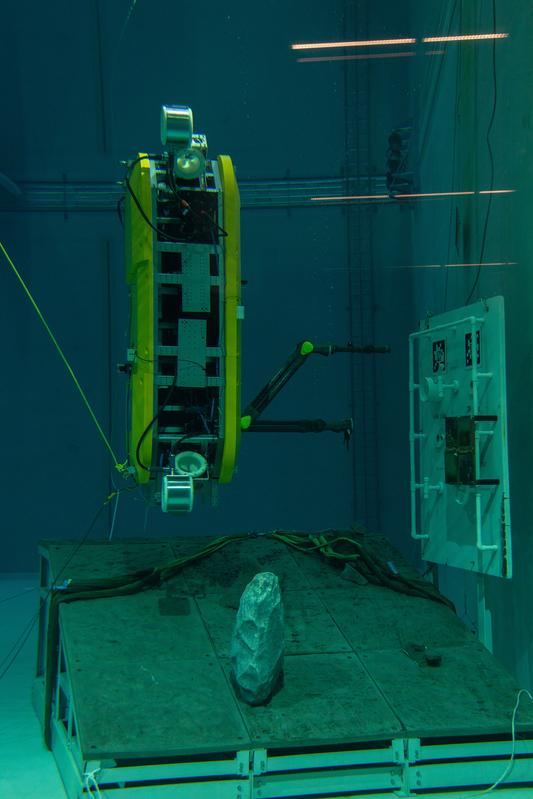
(460, 507)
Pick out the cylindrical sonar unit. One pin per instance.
(176, 126)
(177, 493)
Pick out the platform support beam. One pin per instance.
(484, 614)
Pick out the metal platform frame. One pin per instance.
(458, 766)
(397, 767)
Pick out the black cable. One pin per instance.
(184, 204)
(160, 410)
(138, 204)
(18, 646)
(182, 360)
(376, 571)
(120, 211)
(491, 156)
(452, 202)
(184, 438)
(17, 595)
(151, 424)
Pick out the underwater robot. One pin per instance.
(182, 247)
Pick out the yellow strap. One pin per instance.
(119, 466)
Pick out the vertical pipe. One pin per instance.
(475, 394)
(484, 615)
(349, 254)
(101, 83)
(109, 376)
(467, 115)
(412, 438)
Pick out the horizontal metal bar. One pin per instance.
(188, 247)
(471, 773)
(429, 330)
(211, 382)
(175, 279)
(225, 789)
(172, 771)
(173, 351)
(167, 437)
(469, 750)
(317, 760)
(102, 196)
(311, 783)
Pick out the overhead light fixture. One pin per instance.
(435, 194)
(420, 195)
(357, 43)
(455, 193)
(497, 191)
(468, 37)
(487, 263)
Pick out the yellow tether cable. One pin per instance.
(119, 466)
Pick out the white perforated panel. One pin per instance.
(192, 352)
(196, 280)
(459, 464)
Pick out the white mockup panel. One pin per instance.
(459, 465)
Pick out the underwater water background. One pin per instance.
(82, 90)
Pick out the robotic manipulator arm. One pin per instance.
(250, 421)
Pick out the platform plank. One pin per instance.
(324, 699)
(380, 547)
(372, 617)
(105, 559)
(319, 572)
(469, 694)
(309, 628)
(145, 679)
(151, 624)
(228, 571)
(142, 709)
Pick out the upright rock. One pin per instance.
(257, 644)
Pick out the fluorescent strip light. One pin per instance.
(360, 43)
(412, 196)
(470, 37)
(435, 194)
(497, 191)
(455, 193)
(487, 263)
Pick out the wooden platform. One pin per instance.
(149, 673)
